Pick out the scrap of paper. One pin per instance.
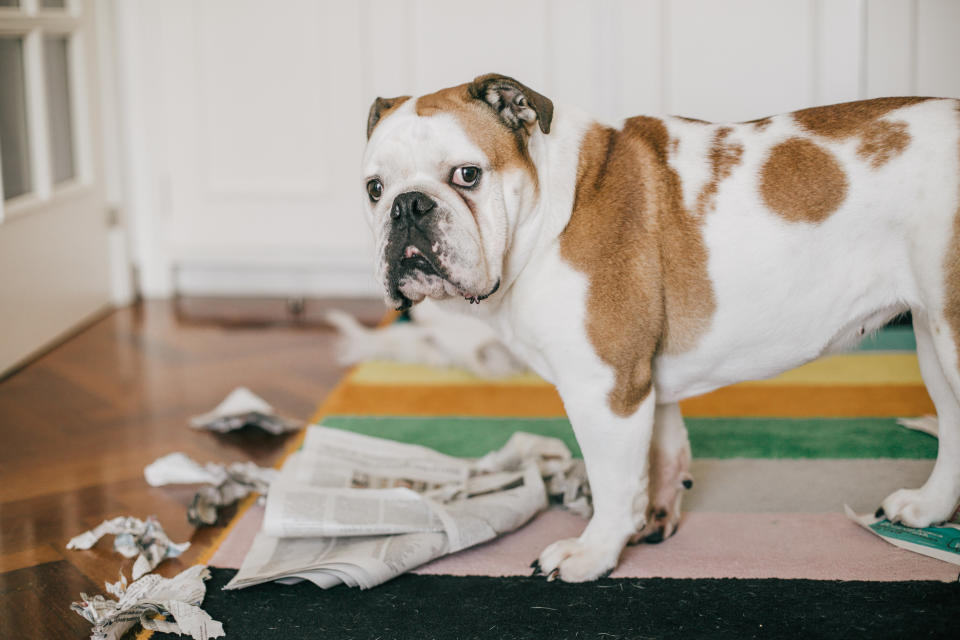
(924, 424)
(145, 539)
(941, 542)
(244, 408)
(225, 483)
(170, 605)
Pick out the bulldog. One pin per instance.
(638, 264)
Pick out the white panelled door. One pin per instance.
(53, 226)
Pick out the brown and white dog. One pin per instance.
(636, 265)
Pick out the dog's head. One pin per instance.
(446, 177)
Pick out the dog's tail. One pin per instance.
(437, 340)
(398, 342)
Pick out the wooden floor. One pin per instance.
(79, 424)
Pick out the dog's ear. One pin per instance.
(517, 104)
(379, 107)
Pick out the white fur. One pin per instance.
(785, 292)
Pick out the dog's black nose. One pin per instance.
(411, 204)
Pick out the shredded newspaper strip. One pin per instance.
(940, 541)
(225, 483)
(244, 408)
(924, 424)
(937, 541)
(144, 539)
(169, 605)
(357, 510)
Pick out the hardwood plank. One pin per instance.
(35, 602)
(28, 558)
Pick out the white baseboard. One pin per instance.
(307, 279)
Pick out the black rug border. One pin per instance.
(465, 607)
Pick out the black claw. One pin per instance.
(606, 574)
(688, 484)
(655, 538)
(879, 513)
(535, 565)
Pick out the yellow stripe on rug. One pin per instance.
(851, 369)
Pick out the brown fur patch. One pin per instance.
(691, 120)
(724, 156)
(883, 140)
(951, 309)
(802, 181)
(644, 256)
(761, 123)
(380, 109)
(504, 148)
(850, 118)
(880, 140)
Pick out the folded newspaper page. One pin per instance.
(357, 510)
(941, 542)
(226, 484)
(242, 408)
(169, 605)
(145, 539)
(924, 424)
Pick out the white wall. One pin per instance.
(243, 122)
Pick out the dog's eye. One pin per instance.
(374, 189)
(466, 176)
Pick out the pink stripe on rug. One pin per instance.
(234, 548)
(815, 546)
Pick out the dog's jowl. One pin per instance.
(638, 264)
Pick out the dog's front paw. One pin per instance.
(918, 507)
(573, 560)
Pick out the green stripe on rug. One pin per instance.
(890, 339)
(709, 437)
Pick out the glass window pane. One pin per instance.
(58, 108)
(53, 4)
(13, 120)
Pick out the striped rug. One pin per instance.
(774, 462)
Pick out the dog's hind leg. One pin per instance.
(939, 359)
(669, 474)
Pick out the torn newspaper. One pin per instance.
(225, 484)
(925, 424)
(941, 542)
(145, 539)
(244, 408)
(169, 605)
(356, 510)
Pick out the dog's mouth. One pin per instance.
(414, 260)
(420, 274)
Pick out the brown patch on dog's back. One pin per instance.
(644, 256)
(503, 147)
(850, 118)
(691, 120)
(880, 140)
(802, 181)
(883, 140)
(724, 156)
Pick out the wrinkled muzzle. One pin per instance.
(425, 256)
